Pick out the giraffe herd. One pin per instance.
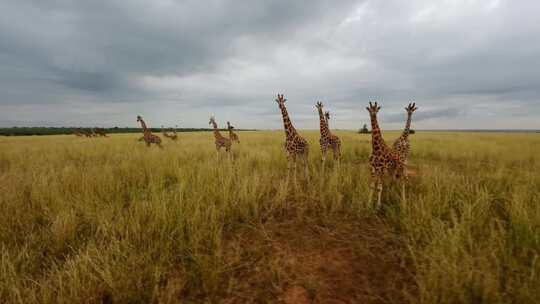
(90, 132)
(384, 160)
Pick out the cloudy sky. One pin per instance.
(467, 64)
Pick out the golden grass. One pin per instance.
(110, 220)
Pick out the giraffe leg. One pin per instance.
(288, 171)
(148, 144)
(379, 193)
(376, 183)
(294, 173)
(404, 182)
(289, 168)
(229, 153)
(337, 153)
(371, 187)
(306, 167)
(323, 154)
(403, 197)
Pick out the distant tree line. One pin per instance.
(26, 131)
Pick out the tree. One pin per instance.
(364, 130)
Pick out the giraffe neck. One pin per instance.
(143, 125)
(290, 131)
(217, 135)
(231, 133)
(405, 133)
(376, 136)
(325, 131)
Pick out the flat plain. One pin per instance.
(108, 220)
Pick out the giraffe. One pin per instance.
(328, 140)
(233, 136)
(402, 145)
(149, 138)
(383, 160)
(101, 132)
(220, 141)
(87, 133)
(172, 136)
(164, 132)
(295, 145)
(78, 133)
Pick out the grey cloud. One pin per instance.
(181, 60)
(421, 115)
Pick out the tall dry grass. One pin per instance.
(100, 220)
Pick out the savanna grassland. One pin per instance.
(108, 220)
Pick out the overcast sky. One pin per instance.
(467, 64)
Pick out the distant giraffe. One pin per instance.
(295, 145)
(100, 132)
(233, 136)
(402, 145)
(93, 133)
(172, 136)
(149, 138)
(78, 133)
(328, 140)
(383, 160)
(220, 140)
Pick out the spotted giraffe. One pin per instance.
(383, 160)
(328, 140)
(148, 137)
(402, 145)
(295, 145)
(233, 136)
(170, 136)
(100, 132)
(174, 135)
(221, 141)
(78, 133)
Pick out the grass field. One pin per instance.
(110, 220)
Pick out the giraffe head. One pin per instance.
(212, 120)
(411, 108)
(319, 105)
(139, 118)
(281, 101)
(373, 108)
(229, 126)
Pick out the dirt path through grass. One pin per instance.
(305, 262)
